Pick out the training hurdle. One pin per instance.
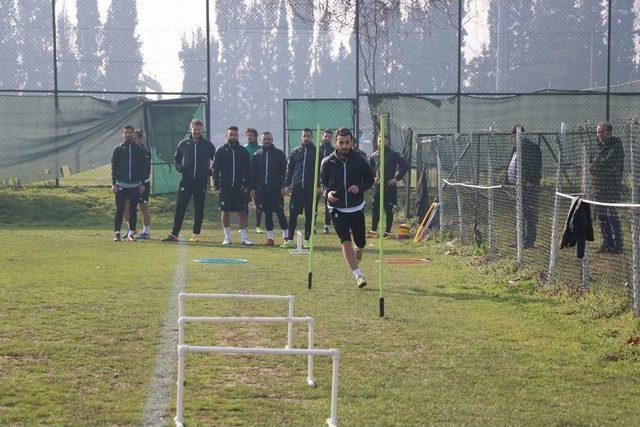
(333, 353)
(299, 250)
(182, 296)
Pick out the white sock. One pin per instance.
(243, 234)
(357, 272)
(146, 229)
(227, 233)
(270, 234)
(285, 234)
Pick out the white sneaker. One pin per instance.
(246, 242)
(226, 242)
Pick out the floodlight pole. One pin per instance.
(459, 90)
(55, 87)
(608, 99)
(357, 106)
(208, 108)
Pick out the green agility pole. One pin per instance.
(314, 206)
(381, 182)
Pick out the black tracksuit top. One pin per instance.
(338, 175)
(394, 165)
(268, 168)
(301, 167)
(129, 163)
(231, 167)
(193, 157)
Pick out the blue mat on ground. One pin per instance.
(221, 261)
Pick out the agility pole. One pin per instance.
(314, 207)
(381, 182)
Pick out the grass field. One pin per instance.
(82, 321)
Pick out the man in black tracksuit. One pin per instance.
(299, 183)
(232, 181)
(345, 176)
(268, 170)
(326, 149)
(531, 177)
(607, 170)
(192, 158)
(395, 168)
(128, 175)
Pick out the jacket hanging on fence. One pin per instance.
(578, 227)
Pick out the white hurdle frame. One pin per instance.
(182, 296)
(290, 320)
(333, 353)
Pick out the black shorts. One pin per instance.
(144, 197)
(233, 199)
(347, 224)
(269, 199)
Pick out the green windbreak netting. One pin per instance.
(308, 113)
(168, 123)
(71, 143)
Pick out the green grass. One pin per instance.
(82, 319)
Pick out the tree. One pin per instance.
(192, 55)
(68, 70)
(123, 58)
(9, 59)
(89, 38)
(35, 40)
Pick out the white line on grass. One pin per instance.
(156, 409)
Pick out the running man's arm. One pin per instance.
(324, 175)
(366, 176)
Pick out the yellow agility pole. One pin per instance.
(313, 207)
(382, 183)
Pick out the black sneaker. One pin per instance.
(170, 238)
(117, 237)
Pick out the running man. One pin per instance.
(143, 202)
(345, 176)
(268, 170)
(128, 174)
(192, 158)
(395, 168)
(252, 147)
(325, 151)
(232, 182)
(299, 183)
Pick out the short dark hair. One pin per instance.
(306, 130)
(343, 132)
(329, 131)
(514, 129)
(233, 128)
(266, 132)
(251, 130)
(125, 127)
(196, 122)
(608, 126)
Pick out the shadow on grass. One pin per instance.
(475, 296)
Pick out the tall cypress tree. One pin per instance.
(9, 59)
(67, 61)
(89, 38)
(123, 58)
(36, 44)
(192, 55)
(624, 65)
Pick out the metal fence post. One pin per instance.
(456, 163)
(635, 219)
(553, 250)
(586, 271)
(519, 208)
(440, 184)
(490, 193)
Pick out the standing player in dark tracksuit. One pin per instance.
(345, 176)
(232, 181)
(128, 174)
(326, 149)
(395, 168)
(192, 158)
(143, 203)
(299, 183)
(252, 148)
(268, 170)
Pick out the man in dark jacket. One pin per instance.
(232, 181)
(394, 170)
(299, 183)
(268, 170)
(325, 151)
(252, 148)
(607, 170)
(531, 177)
(192, 159)
(345, 176)
(128, 174)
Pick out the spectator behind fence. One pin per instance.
(607, 169)
(531, 176)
